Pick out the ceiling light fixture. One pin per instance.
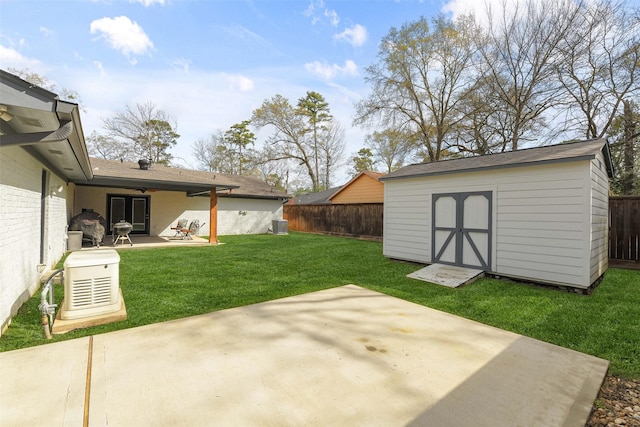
(4, 115)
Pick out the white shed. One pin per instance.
(538, 214)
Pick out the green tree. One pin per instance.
(237, 139)
(156, 138)
(363, 161)
(624, 138)
(316, 109)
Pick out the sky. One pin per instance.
(208, 64)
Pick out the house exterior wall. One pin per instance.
(541, 221)
(167, 207)
(255, 218)
(20, 227)
(599, 238)
(363, 190)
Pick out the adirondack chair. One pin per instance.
(194, 227)
(181, 225)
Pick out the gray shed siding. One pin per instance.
(599, 238)
(541, 213)
(407, 220)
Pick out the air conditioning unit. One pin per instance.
(279, 226)
(91, 284)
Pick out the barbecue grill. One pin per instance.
(121, 232)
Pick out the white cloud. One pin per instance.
(46, 32)
(123, 35)
(331, 71)
(317, 10)
(181, 64)
(355, 36)
(333, 17)
(241, 83)
(310, 11)
(242, 33)
(147, 3)
(249, 37)
(100, 68)
(11, 58)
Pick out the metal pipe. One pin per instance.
(45, 327)
(47, 306)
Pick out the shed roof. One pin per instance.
(114, 173)
(565, 152)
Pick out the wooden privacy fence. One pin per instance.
(356, 220)
(624, 229)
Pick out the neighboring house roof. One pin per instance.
(368, 192)
(114, 173)
(565, 152)
(45, 126)
(318, 198)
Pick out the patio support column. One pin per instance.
(213, 216)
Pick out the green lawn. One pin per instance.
(169, 283)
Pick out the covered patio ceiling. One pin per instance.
(45, 126)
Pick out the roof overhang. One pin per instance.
(231, 195)
(49, 129)
(192, 189)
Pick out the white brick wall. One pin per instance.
(20, 207)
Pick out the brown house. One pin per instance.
(365, 187)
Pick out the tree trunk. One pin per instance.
(627, 165)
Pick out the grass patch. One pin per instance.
(168, 283)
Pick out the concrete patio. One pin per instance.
(345, 356)
(141, 242)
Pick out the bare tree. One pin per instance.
(146, 130)
(390, 147)
(330, 152)
(107, 148)
(293, 140)
(420, 80)
(277, 173)
(45, 82)
(600, 66)
(520, 60)
(211, 153)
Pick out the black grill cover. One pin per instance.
(91, 224)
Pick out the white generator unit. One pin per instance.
(91, 284)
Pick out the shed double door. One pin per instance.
(461, 232)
